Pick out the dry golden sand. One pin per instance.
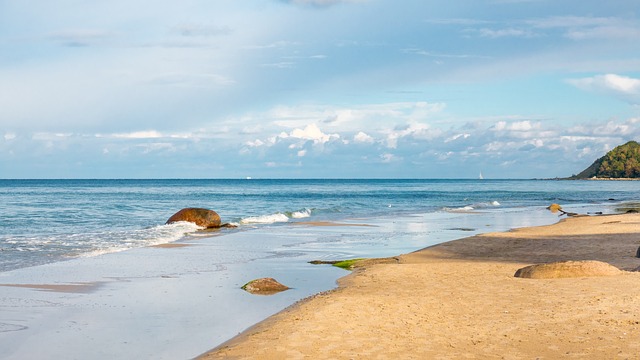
(460, 300)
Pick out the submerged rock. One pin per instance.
(201, 217)
(264, 286)
(568, 269)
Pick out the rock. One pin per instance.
(632, 211)
(554, 208)
(264, 286)
(568, 269)
(201, 217)
(638, 253)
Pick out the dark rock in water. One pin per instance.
(632, 211)
(638, 253)
(201, 217)
(264, 286)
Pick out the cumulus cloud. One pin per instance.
(362, 138)
(312, 132)
(255, 143)
(623, 87)
(295, 139)
(416, 131)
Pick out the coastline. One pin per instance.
(461, 299)
(176, 302)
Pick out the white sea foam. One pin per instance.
(301, 214)
(156, 235)
(265, 219)
(461, 209)
(495, 203)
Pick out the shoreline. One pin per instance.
(461, 299)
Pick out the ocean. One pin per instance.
(80, 268)
(44, 221)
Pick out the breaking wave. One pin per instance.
(280, 217)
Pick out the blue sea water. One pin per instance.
(44, 221)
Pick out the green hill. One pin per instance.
(621, 162)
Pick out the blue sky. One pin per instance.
(315, 88)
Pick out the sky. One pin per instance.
(315, 88)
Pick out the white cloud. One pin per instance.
(255, 143)
(9, 136)
(353, 118)
(302, 153)
(623, 87)
(387, 158)
(414, 130)
(585, 27)
(150, 134)
(502, 33)
(313, 132)
(456, 137)
(362, 137)
(570, 27)
(571, 22)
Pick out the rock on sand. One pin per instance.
(568, 269)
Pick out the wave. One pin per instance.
(301, 214)
(472, 207)
(155, 235)
(279, 217)
(265, 219)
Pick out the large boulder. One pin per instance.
(201, 217)
(568, 269)
(264, 286)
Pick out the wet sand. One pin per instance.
(461, 300)
(64, 288)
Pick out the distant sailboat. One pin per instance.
(481, 177)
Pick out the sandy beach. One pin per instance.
(461, 300)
